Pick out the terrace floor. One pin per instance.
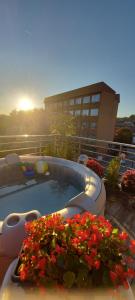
(120, 209)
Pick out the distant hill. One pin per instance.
(130, 118)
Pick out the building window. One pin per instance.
(85, 112)
(71, 102)
(86, 99)
(59, 105)
(93, 125)
(95, 98)
(94, 112)
(77, 112)
(78, 101)
(55, 107)
(64, 103)
(84, 124)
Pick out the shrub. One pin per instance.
(123, 135)
(128, 181)
(112, 173)
(82, 252)
(61, 147)
(96, 167)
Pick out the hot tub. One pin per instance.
(70, 188)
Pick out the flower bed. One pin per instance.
(82, 252)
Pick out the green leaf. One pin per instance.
(115, 231)
(69, 279)
(53, 243)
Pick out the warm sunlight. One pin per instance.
(25, 104)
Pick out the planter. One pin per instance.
(16, 291)
(84, 252)
(26, 289)
(128, 199)
(112, 192)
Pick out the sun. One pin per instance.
(25, 104)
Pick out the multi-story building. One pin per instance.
(95, 107)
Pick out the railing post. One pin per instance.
(120, 148)
(40, 148)
(79, 147)
(55, 144)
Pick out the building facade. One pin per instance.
(94, 106)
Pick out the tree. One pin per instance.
(132, 118)
(63, 124)
(123, 135)
(4, 124)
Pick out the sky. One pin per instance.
(51, 46)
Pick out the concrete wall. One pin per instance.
(107, 116)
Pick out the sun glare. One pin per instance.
(25, 104)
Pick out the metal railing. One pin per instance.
(101, 150)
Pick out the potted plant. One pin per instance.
(112, 178)
(79, 253)
(128, 187)
(96, 167)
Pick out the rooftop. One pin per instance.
(96, 87)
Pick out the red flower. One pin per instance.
(96, 167)
(131, 273)
(77, 217)
(118, 269)
(42, 263)
(93, 252)
(107, 232)
(123, 236)
(83, 235)
(113, 276)
(24, 273)
(129, 260)
(75, 242)
(125, 284)
(59, 249)
(33, 258)
(89, 260)
(60, 227)
(132, 242)
(42, 274)
(97, 264)
(85, 241)
(52, 258)
(94, 239)
(132, 246)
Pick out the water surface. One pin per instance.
(46, 197)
